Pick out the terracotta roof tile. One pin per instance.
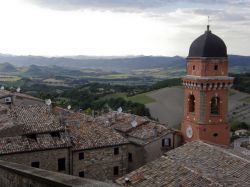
(39, 142)
(193, 164)
(89, 134)
(35, 119)
(145, 131)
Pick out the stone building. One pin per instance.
(206, 91)
(97, 152)
(103, 148)
(39, 139)
(148, 139)
(67, 142)
(193, 164)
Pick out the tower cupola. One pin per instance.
(208, 45)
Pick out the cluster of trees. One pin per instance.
(242, 82)
(239, 125)
(91, 96)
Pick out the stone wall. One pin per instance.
(47, 159)
(138, 157)
(142, 154)
(99, 163)
(154, 149)
(16, 175)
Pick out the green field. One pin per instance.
(115, 76)
(51, 80)
(9, 78)
(143, 98)
(247, 99)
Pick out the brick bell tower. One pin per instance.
(206, 91)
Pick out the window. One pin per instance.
(81, 156)
(193, 67)
(116, 151)
(191, 103)
(31, 137)
(81, 174)
(55, 134)
(35, 164)
(61, 164)
(166, 142)
(215, 106)
(216, 67)
(215, 134)
(130, 157)
(116, 170)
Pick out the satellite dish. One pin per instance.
(69, 107)
(134, 123)
(48, 102)
(2, 87)
(18, 89)
(119, 110)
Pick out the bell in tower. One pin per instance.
(206, 91)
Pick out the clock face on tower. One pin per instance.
(189, 131)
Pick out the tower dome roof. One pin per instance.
(208, 45)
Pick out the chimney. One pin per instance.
(155, 131)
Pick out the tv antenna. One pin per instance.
(69, 107)
(208, 22)
(134, 123)
(48, 102)
(119, 110)
(18, 90)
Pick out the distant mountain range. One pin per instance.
(7, 67)
(119, 64)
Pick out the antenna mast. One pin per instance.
(208, 23)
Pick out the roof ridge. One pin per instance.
(225, 151)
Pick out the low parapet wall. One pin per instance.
(16, 175)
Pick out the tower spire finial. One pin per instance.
(208, 22)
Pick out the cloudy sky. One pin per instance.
(119, 27)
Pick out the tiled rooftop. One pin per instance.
(145, 130)
(193, 164)
(122, 121)
(20, 95)
(89, 135)
(32, 143)
(148, 130)
(35, 119)
(5, 120)
(71, 117)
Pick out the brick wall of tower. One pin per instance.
(206, 67)
(217, 134)
(207, 78)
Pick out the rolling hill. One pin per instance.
(168, 106)
(7, 68)
(118, 64)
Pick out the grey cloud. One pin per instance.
(221, 14)
(117, 4)
(99, 4)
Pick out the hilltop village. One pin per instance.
(123, 149)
